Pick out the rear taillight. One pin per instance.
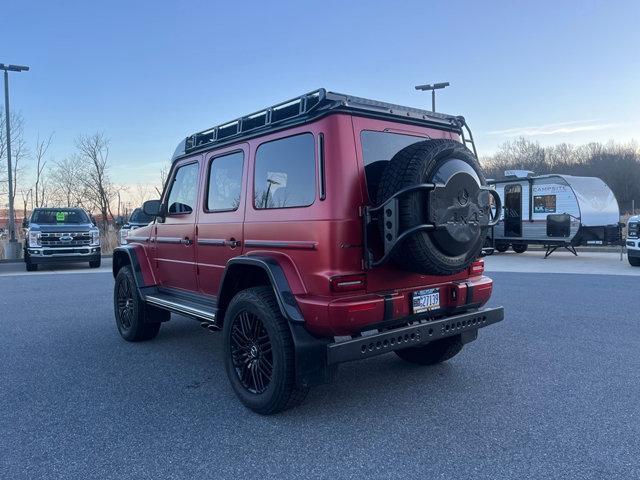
(477, 268)
(348, 283)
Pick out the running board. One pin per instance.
(179, 306)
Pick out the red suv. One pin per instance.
(321, 230)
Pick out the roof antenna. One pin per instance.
(433, 88)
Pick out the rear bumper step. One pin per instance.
(399, 338)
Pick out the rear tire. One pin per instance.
(135, 320)
(519, 248)
(95, 263)
(433, 352)
(502, 247)
(259, 353)
(634, 261)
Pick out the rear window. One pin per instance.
(378, 148)
(285, 173)
(59, 215)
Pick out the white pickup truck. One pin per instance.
(633, 241)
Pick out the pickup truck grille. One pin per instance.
(73, 239)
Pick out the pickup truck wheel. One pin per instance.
(634, 261)
(31, 267)
(259, 353)
(133, 318)
(95, 263)
(433, 352)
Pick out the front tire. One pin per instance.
(433, 352)
(95, 263)
(259, 353)
(135, 320)
(634, 261)
(31, 267)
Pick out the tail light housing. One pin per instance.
(477, 268)
(348, 283)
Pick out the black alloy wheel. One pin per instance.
(251, 352)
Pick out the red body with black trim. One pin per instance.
(318, 247)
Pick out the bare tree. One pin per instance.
(19, 151)
(164, 173)
(142, 193)
(65, 176)
(93, 151)
(39, 153)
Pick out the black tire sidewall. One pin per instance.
(133, 333)
(264, 402)
(419, 253)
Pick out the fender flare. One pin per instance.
(128, 251)
(278, 279)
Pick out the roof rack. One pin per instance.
(304, 108)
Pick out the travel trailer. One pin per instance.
(554, 211)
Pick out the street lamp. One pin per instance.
(12, 250)
(433, 88)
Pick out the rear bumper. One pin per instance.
(410, 336)
(317, 358)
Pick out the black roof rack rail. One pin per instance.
(303, 109)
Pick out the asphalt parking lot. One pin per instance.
(551, 392)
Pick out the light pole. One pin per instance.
(12, 251)
(433, 88)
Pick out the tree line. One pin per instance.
(617, 164)
(81, 179)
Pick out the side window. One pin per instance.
(183, 193)
(225, 182)
(285, 173)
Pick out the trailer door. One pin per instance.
(513, 210)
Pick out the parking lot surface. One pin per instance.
(550, 392)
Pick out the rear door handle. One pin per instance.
(186, 241)
(232, 242)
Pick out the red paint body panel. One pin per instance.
(315, 243)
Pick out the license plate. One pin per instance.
(426, 300)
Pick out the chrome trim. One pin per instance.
(215, 242)
(294, 244)
(136, 239)
(86, 253)
(174, 240)
(178, 307)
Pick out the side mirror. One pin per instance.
(152, 208)
(25, 223)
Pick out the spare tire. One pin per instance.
(455, 242)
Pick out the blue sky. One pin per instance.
(149, 73)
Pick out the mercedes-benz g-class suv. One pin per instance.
(59, 235)
(321, 230)
(633, 240)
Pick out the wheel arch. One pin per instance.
(252, 271)
(131, 255)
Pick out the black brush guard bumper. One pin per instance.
(420, 334)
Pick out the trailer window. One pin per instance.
(544, 204)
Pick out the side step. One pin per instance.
(197, 309)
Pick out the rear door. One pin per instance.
(175, 236)
(220, 223)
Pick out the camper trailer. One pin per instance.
(554, 211)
